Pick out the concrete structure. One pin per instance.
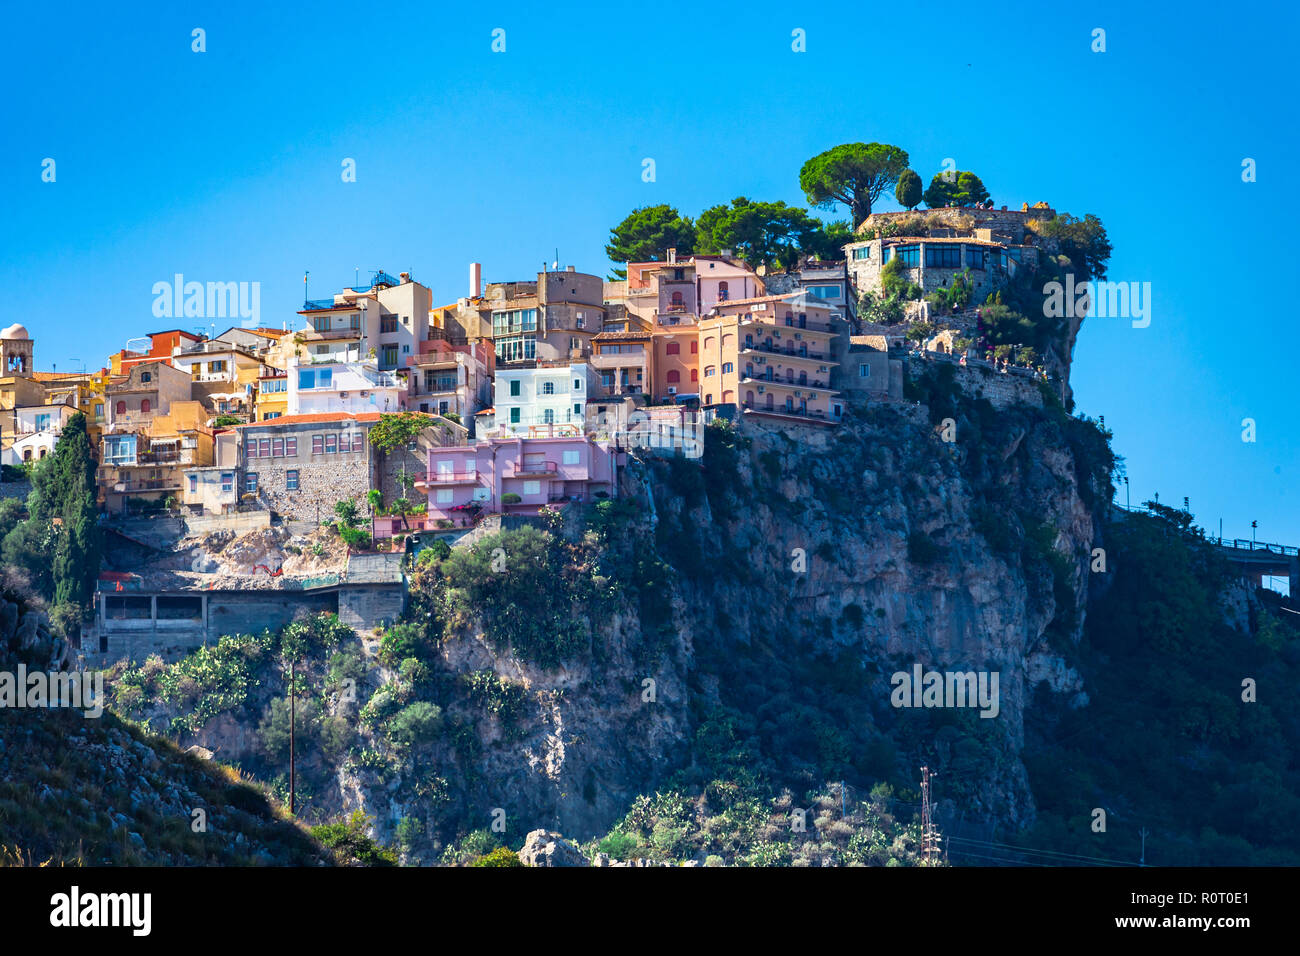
(162, 346)
(145, 466)
(867, 369)
(300, 465)
(624, 362)
(148, 390)
(466, 481)
(675, 361)
(214, 488)
(543, 399)
(450, 376)
(271, 399)
(772, 355)
(36, 430)
(551, 319)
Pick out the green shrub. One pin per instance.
(501, 856)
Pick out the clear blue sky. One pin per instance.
(225, 166)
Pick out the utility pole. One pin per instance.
(1128, 501)
(1142, 861)
(293, 720)
(928, 837)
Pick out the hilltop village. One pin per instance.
(409, 419)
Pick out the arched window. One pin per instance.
(121, 408)
(723, 294)
(710, 371)
(728, 397)
(708, 341)
(673, 349)
(144, 406)
(727, 369)
(674, 376)
(728, 340)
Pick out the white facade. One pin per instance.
(343, 387)
(550, 400)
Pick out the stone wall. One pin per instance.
(1002, 389)
(319, 486)
(368, 606)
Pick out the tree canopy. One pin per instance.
(645, 235)
(1083, 240)
(964, 189)
(855, 174)
(761, 233)
(398, 429)
(908, 190)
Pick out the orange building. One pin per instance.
(771, 355)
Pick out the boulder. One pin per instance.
(544, 848)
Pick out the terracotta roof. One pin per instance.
(311, 417)
(617, 336)
(58, 376)
(878, 342)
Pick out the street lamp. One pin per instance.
(1253, 526)
(1128, 502)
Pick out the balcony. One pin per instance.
(812, 384)
(773, 350)
(426, 479)
(534, 469)
(327, 335)
(610, 360)
(761, 318)
(781, 411)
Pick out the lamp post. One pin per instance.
(1128, 502)
(1253, 526)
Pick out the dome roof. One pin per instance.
(15, 331)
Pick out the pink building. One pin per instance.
(471, 479)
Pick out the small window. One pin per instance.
(358, 442)
(695, 375)
(710, 371)
(514, 416)
(727, 368)
(194, 484)
(264, 448)
(250, 483)
(695, 347)
(291, 447)
(548, 388)
(673, 349)
(121, 408)
(674, 377)
(445, 496)
(145, 406)
(864, 371)
(277, 448)
(577, 385)
(514, 387)
(317, 444)
(227, 481)
(146, 376)
(571, 457)
(532, 487)
(291, 480)
(331, 444)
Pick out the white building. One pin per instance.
(36, 431)
(548, 400)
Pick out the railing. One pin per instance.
(817, 414)
(773, 350)
(1241, 544)
(446, 477)
(534, 468)
(773, 380)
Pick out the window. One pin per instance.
(723, 294)
(514, 416)
(514, 387)
(217, 366)
(331, 444)
(306, 378)
(388, 356)
(358, 442)
(291, 480)
(317, 444)
(146, 376)
(532, 487)
(864, 371)
(194, 484)
(943, 257)
(607, 379)
(727, 368)
(710, 371)
(387, 323)
(145, 406)
(695, 375)
(974, 257)
(548, 416)
(291, 447)
(862, 253)
(824, 291)
(571, 457)
(911, 255)
(354, 320)
(269, 415)
(322, 350)
(252, 447)
(574, 342)
(227, 481)
(445, 496)
(264, 448)
(674, 376)
(678, 302)
(673, 349)
(321, 323)
(548, 388)
(577, 410)
(121, 408)
(277, 447)
(695, 347)
(577, 385)
(250, 483)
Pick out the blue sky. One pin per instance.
(225, 166)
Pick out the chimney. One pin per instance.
(672, 254)
(475, 280)
(570, 269)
